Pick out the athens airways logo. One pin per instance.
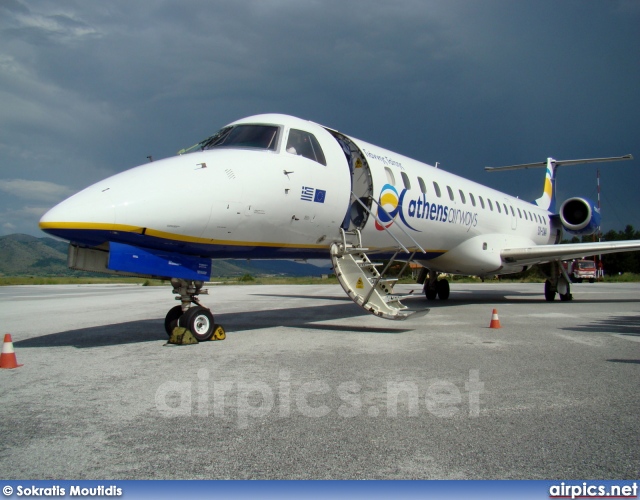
(391, 207)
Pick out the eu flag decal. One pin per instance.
(319, 197)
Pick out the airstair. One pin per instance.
(360, 278)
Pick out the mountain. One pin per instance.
(21, 254)
(24, 255)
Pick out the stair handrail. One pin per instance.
(400, 227)
(386, 228)
(381, 223)
(379, 278)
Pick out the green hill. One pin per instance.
(21, 254)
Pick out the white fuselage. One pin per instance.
(253, 203)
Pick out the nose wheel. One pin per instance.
(195, 318)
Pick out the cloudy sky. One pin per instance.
(89, 88)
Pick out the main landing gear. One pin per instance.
(433, 287)
(197, 319)
(557, 282)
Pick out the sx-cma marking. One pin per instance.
(278, 187)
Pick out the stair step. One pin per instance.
(353, 267)
(365, 263)
(373, 279)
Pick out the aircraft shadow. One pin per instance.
(153, 330)
(621, 325)
(418, 301)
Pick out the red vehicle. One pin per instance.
(581, 269)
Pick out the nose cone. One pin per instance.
(81, 215)
(136, 205)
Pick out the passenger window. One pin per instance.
(390, 178)
(450, 191)
(437, 188)
(519, 213)
(530, 217)
(305, 144)
(405, 180)
(462, 196)
(512, 212)
(490, 204)
(481, 202)
(423, 187)
(506, 210)
(498, 207)
(473, 200)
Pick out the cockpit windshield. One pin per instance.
(240, 136)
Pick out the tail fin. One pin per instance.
(548, 199)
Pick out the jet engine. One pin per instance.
(580, 216)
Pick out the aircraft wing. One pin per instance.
(546, 253)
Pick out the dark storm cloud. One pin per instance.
(92, 88)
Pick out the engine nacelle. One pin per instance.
(580, 216)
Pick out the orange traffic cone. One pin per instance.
(495, 322)
(8, 357)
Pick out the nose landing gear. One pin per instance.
(197, 319)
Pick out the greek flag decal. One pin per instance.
(312, 194)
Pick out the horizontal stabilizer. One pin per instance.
(559, 163)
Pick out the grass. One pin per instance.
(74, 280)
(264, 280)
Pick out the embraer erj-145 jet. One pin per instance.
(278, 187)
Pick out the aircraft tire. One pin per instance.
(564, 297)
(171, 319)
(430, 293)
(199, 321)
(443, 289)
(549, 293)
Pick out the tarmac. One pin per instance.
(309, 386)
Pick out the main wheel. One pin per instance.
(171, 319)
(566, 296)
(430, 293)
(442, 286)
(199, 321)
(549, 292)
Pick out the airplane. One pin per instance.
(274, 186)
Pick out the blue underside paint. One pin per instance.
(138, 260)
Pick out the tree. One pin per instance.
(626, 262)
